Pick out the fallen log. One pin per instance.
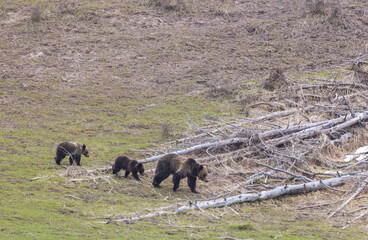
(359, 117)
(287, 134)
(331, 125)
(198, 147)
(250, 197)
(288, 130)
(277, 192)
(276, 114)
(129, 219)
(333, 85)
(242, 121)
(315, 129)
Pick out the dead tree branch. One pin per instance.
(277, 192)
(350, 198)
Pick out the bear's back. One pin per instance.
(70, 146)
(170, 162)
(121, 162)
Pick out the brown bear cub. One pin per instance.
(180, 167)
(128, 165)
(73, 150)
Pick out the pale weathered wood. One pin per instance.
(276, 114)
(287, 134)
(140, 217)
(350, 198)
(226, 201)
(330, 125)
(198, 147)
(273, 137)
(359, 117)
(288, 130)
(307, 132)
(277, 192)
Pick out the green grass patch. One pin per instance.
(243, 226)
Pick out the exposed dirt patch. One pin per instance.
(148, 47)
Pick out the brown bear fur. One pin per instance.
(180, 167)
(128, 165)
(73, 150)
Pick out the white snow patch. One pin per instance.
(360, 154)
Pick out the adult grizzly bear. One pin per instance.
(180, 167)
(128, 165)
(73, 150)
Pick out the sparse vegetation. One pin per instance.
(276, 80)
(166, 129)
(244, 226)
(317, 7)
(67, 7)
(170, 5)
(36, 13)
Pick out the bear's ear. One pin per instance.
(83, 147)
(198, 170)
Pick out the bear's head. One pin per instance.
(203, 173)
(85, 150)
(140, 168)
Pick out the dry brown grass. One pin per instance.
(170, 5)
(329, 154)
(276, 80)
(36, 13)
(317, 7)
(166, 130)
(359, 139)
(67, 7)
(361, 72)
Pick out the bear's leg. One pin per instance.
(158, 179)
(135, 175)
(59, 157)
(115, 168)
(71, 160)
(176, 180)
(126, 173)
(78, 159)
(192, 181)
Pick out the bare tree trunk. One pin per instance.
(199, 147)
(135, 218)
(328, 126)
(277, 192)
(300, 132)
(225, 201)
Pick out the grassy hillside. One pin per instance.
(115, 74)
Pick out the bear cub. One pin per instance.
(128, 165)
(180, 167)
(73, 150)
